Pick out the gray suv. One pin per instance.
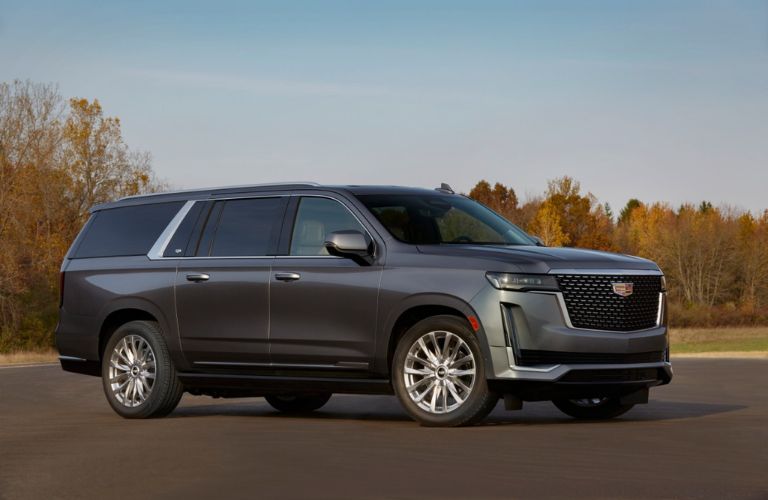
(297, 291)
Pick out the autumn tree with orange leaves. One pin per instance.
(715, 259)
(57, 159)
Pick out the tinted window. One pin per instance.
(315, 220)
(126, 230)
(442, 219)
(184, 232)
(248, 227)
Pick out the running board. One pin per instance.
(275, 384)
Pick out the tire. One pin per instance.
(298, 403)
(592, 409)
(455, 400)
(121, 370)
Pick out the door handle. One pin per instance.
(287, 276)
(198, 277)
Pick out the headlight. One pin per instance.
(522, 282)
(663, 283)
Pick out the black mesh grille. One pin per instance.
(593, 304)
(531, 357)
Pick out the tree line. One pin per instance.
(715, 258)
(59, 157)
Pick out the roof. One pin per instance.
(216, 192)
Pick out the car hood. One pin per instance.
(535, 259)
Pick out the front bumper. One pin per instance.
(535, 352)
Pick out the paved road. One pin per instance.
(704, 436)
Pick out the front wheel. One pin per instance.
(138, 375)
(438, 373)
(592, 408)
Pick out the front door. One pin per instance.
(222, 292)
(323, 308)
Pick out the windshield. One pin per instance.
(442, 219)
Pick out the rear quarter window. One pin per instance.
(125, 231)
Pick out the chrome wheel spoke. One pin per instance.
(419, 383)
(427, 352)
(132, 371)
(117, 366)
(425, 362)
(462, 385)
(463, 360)
(435, 394)
(461, 373)
(454, 393)
(423, 371)
(446, 346)
(439, 372)
(428, 390)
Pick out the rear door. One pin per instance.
(323, 308)
(222, 289)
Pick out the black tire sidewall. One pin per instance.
(165, 373)
(480, 401)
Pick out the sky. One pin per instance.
(656, 100)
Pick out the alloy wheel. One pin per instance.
(132, 371)
(439, 372)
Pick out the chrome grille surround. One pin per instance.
(589, 301)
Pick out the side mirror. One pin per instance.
(539, 241)
(351, 244)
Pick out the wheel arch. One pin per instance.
(128, 309)
(418, 307)
(116, 319)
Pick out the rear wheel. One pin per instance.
(138, 375)
(592, 408)
(439, 373)
(298, 403)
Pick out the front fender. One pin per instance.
(386, 328)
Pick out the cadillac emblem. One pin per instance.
(623, 289)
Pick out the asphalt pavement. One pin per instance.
(703, 436)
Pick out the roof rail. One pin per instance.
(221, 188)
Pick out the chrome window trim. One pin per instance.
(173, 226)
(567, 318)
(158, 249)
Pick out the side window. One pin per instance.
(178, 243)
(316, 219)
(247, 227)
(123, 231)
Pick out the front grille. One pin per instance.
(592, 303)
(529, 357)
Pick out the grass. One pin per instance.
(28, 357)
(718, 340)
